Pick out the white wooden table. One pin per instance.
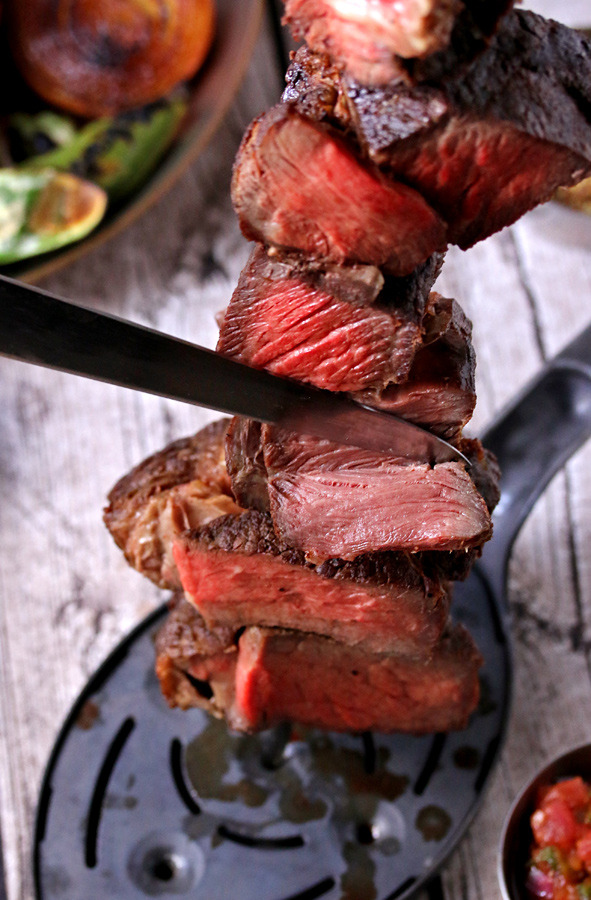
(66, 594)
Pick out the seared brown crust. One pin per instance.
(199, 456)
(180, 487)
(315, 87)
(475, 26)
(195, 665)
(246, 464)
(252, 533)
(359, 285)
(543, 82)
(184, 634)
(484, 470)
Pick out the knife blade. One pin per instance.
(38, 327)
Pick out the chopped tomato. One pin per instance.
(583, 849)
(560, 865)
(554, 824)
(573, 791)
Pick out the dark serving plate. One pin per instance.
(211, 93)
(139, 800)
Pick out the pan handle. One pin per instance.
(532, 439)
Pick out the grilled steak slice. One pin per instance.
(329, 499)
(297, 185)
(367, 37)
(270, 675)
(294, 325)
(249, 479)
(318, 682)
(237, 572)
(486, 144)
(282, 320)
(180, 487)
(346, 504)
(440, 390)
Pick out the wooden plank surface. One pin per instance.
(66, 594)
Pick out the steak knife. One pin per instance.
(40, 328)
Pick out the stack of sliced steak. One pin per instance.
(424, 165)
(263, 633)
(312, 581)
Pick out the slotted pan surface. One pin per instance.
(140, 800)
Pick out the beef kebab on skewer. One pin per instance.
(317, 578)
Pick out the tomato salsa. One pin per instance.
(560, 862)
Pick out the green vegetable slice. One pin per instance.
(549, 855)
(118, 153)
(48, 128)
(42, 211)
